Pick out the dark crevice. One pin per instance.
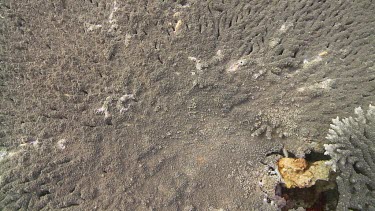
(72, 190)
(316, 198)
(84, 91)
(295, 53)
(182, 2)
(281, 152)
(316, 156)
(43, 193)
(370, 188)
(323, 195)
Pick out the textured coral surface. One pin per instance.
(172, 104)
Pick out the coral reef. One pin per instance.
(352, 148)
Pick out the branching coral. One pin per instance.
(278, 122)
(352, 148)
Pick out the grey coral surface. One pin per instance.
(171, 104)
(352, 149)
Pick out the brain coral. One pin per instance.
(352, 149)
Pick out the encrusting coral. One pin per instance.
(352, 149)
(297, 172)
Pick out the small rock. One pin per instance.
(297, 172)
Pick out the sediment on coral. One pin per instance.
(352, 148)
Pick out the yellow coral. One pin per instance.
(298, 173)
